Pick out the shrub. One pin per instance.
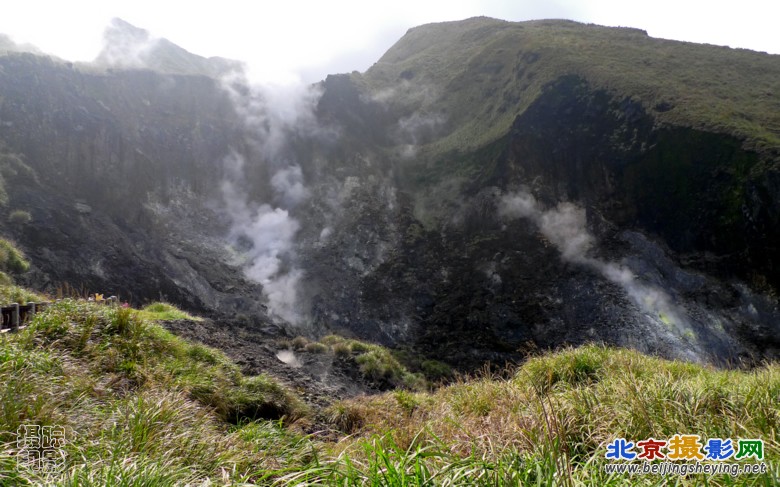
(569, 367)
(372, 367)
(406, 400)
(261, 397)
(379, 365)
(299, 342)
(412, 381)
(342, 349)
(346, 416)
(20, 217)
(359, 347)
(435, 370)
(316, 347)
(15, 294)
(5, 279)
(331, 340)
(12, 166)
(11, 258)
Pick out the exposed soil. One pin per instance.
(319, 378)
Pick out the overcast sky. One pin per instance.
(306, 40)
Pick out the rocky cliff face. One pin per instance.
(484, 189)
(126, 165)
(458, 278)
(680, 206)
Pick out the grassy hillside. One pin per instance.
(550, 421)
(143, 407)
(479, 74)
(137, 403)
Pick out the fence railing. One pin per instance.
(16, 315)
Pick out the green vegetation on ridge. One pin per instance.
(481, 73)
(165, 311)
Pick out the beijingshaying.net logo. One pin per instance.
(687, 454)
(41, 447)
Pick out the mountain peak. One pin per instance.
(122, 27)
(129, 47)
(7, 45)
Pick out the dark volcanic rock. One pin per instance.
(400, 233)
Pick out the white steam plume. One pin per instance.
(271, 114)
(422, 124)
(288, 182)
(417, 128)
(565, 227)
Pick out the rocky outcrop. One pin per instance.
(127, 167)
(685, 211)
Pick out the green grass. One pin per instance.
(381, 461)
(141, 406)
(376, 363)
(144, 407)
(316, 347)
(11, 258)
(12, 262)
(10, 293)
(551, 422)
(165, 311)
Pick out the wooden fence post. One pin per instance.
(15, 317)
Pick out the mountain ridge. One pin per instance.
(398, 181)
(605, 56)
(127, 46)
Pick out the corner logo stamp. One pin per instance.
(687, 455)
(41, 447)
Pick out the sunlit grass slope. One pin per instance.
(165, 311)
(143, 407)
(550, 423)
(140, 405)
